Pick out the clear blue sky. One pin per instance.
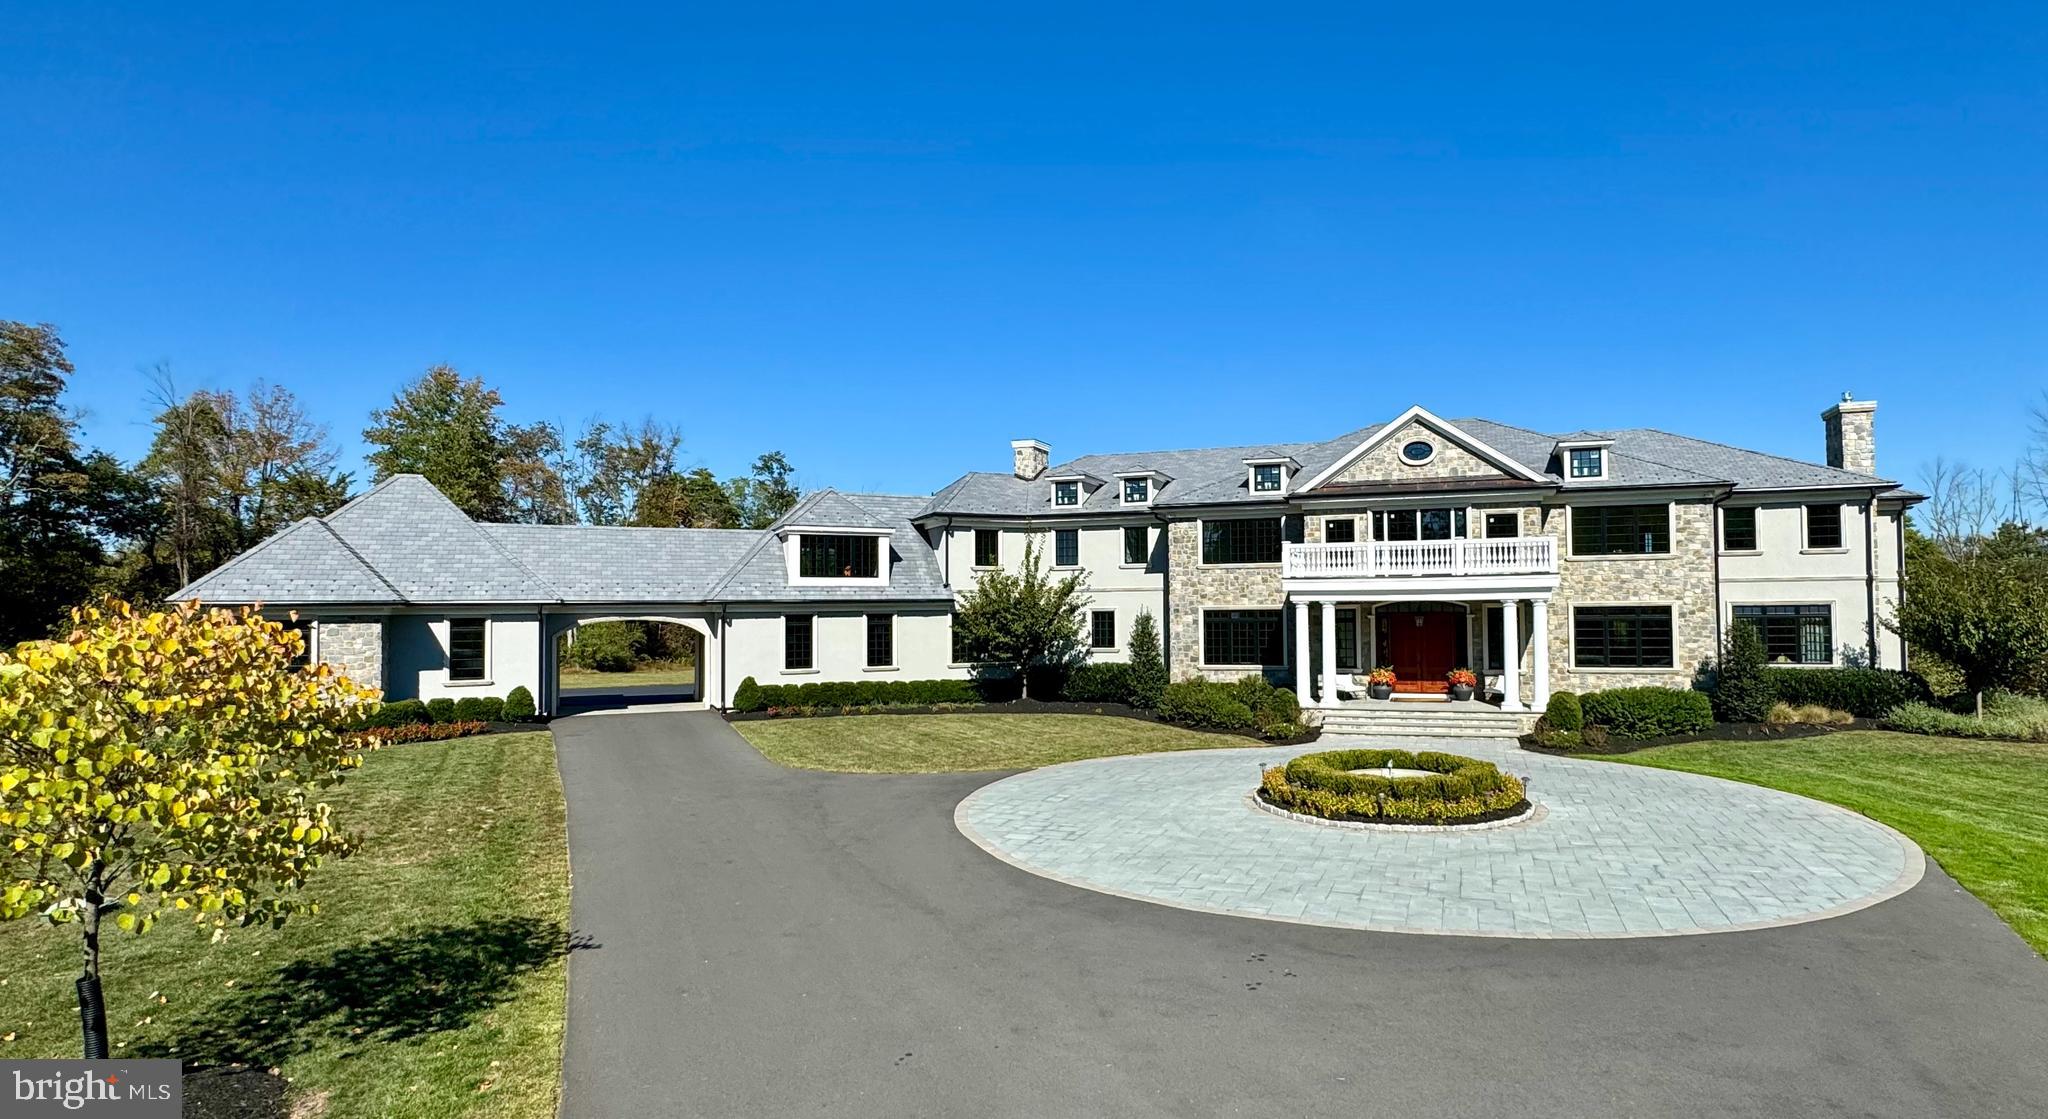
(889, 243)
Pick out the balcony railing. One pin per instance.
(1519, 555)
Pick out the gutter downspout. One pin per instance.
(724, 639)
(1720, 637)
(1905, 650)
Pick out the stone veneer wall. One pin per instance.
(355, 647)
(1685, 579)
(1385, 464)
(1191, 587)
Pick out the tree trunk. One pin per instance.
(92, 1010)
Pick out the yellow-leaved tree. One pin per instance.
(155, 763)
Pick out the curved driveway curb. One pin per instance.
(1620, 850)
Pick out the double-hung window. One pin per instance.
(1242, 637)
(1340, 531)
(798, 652)
(1241, 540)
(1794, 634)
(1503, 525)
(1622, 636)
(1066, 547)
(1137, 545)
(468, 643)
(1621, 530)
(1102, 629)
(1823, 527)
(881, 640)
(988, 547)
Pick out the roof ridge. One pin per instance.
(1297, 444)
(259, 546)
(1763, 454)
(365, 495)
(725, 578)
(360, 558)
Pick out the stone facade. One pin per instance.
(1191, 587)
(1029, 458)
(354, 646)
(1384, 462)
(1684, 579)
(1852, 435)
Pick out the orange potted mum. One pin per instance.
(1380, 683)
(1463, 681)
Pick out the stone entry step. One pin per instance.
(1423, 722)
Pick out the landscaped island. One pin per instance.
(1394, 787)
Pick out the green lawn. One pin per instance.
(1979, 808)
(962, 743)
(431, 983)
(652, 674)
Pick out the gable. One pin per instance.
(1385, 461)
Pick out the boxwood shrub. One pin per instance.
(1867, 693)
(1098, 682)
(1251, 703)
(519, 705)
(754, 696)
(479, 709)
(1563, 712)
(1458, 790)
(1648, 712)
(441, 710)
(398, 713)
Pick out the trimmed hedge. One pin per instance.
(397, 713)
(518, 705)
(479, 709)
(1099, 682)
(441, 710)
(1648, 712)
(1251, 703)
(1867, 693)
(853, 693)
(1459, 790)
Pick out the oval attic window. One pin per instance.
(1419, 452)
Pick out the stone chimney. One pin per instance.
(1031, 458)
(1852, 434)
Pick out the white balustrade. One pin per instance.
(1514, 555)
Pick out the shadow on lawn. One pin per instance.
(391, 989)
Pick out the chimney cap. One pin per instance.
(1020, 444)
(1848, 404)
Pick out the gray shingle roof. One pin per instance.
(1639, 457)
(762, 575)
(305, 562)
(404, 543)
(604, 563)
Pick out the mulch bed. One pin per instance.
(1024, 707)
(1719, 732)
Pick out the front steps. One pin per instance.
(1424, 720)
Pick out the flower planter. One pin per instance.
(1380, 691)
(1461, 692)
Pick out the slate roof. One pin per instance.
(404, 543)
(1638, 457)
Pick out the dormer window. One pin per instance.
(1137, 491)
(1066, 493)
(821, 556)
(1268, 478)
(1588, 462)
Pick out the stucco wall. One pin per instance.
(416, 645)
(923, 640)
(1783, 570)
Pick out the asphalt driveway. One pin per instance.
(778, 942)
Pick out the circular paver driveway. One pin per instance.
(1618, 850)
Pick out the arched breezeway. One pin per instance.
(688, 679)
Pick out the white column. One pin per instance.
(1301, 663)
(1329, 653)
(1511, 655)
(1539, 640)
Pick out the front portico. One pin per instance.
(1422, 608)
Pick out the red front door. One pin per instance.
(1421, 649)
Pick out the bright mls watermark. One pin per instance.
(142, 1089)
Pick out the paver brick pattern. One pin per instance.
(1619, 850)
